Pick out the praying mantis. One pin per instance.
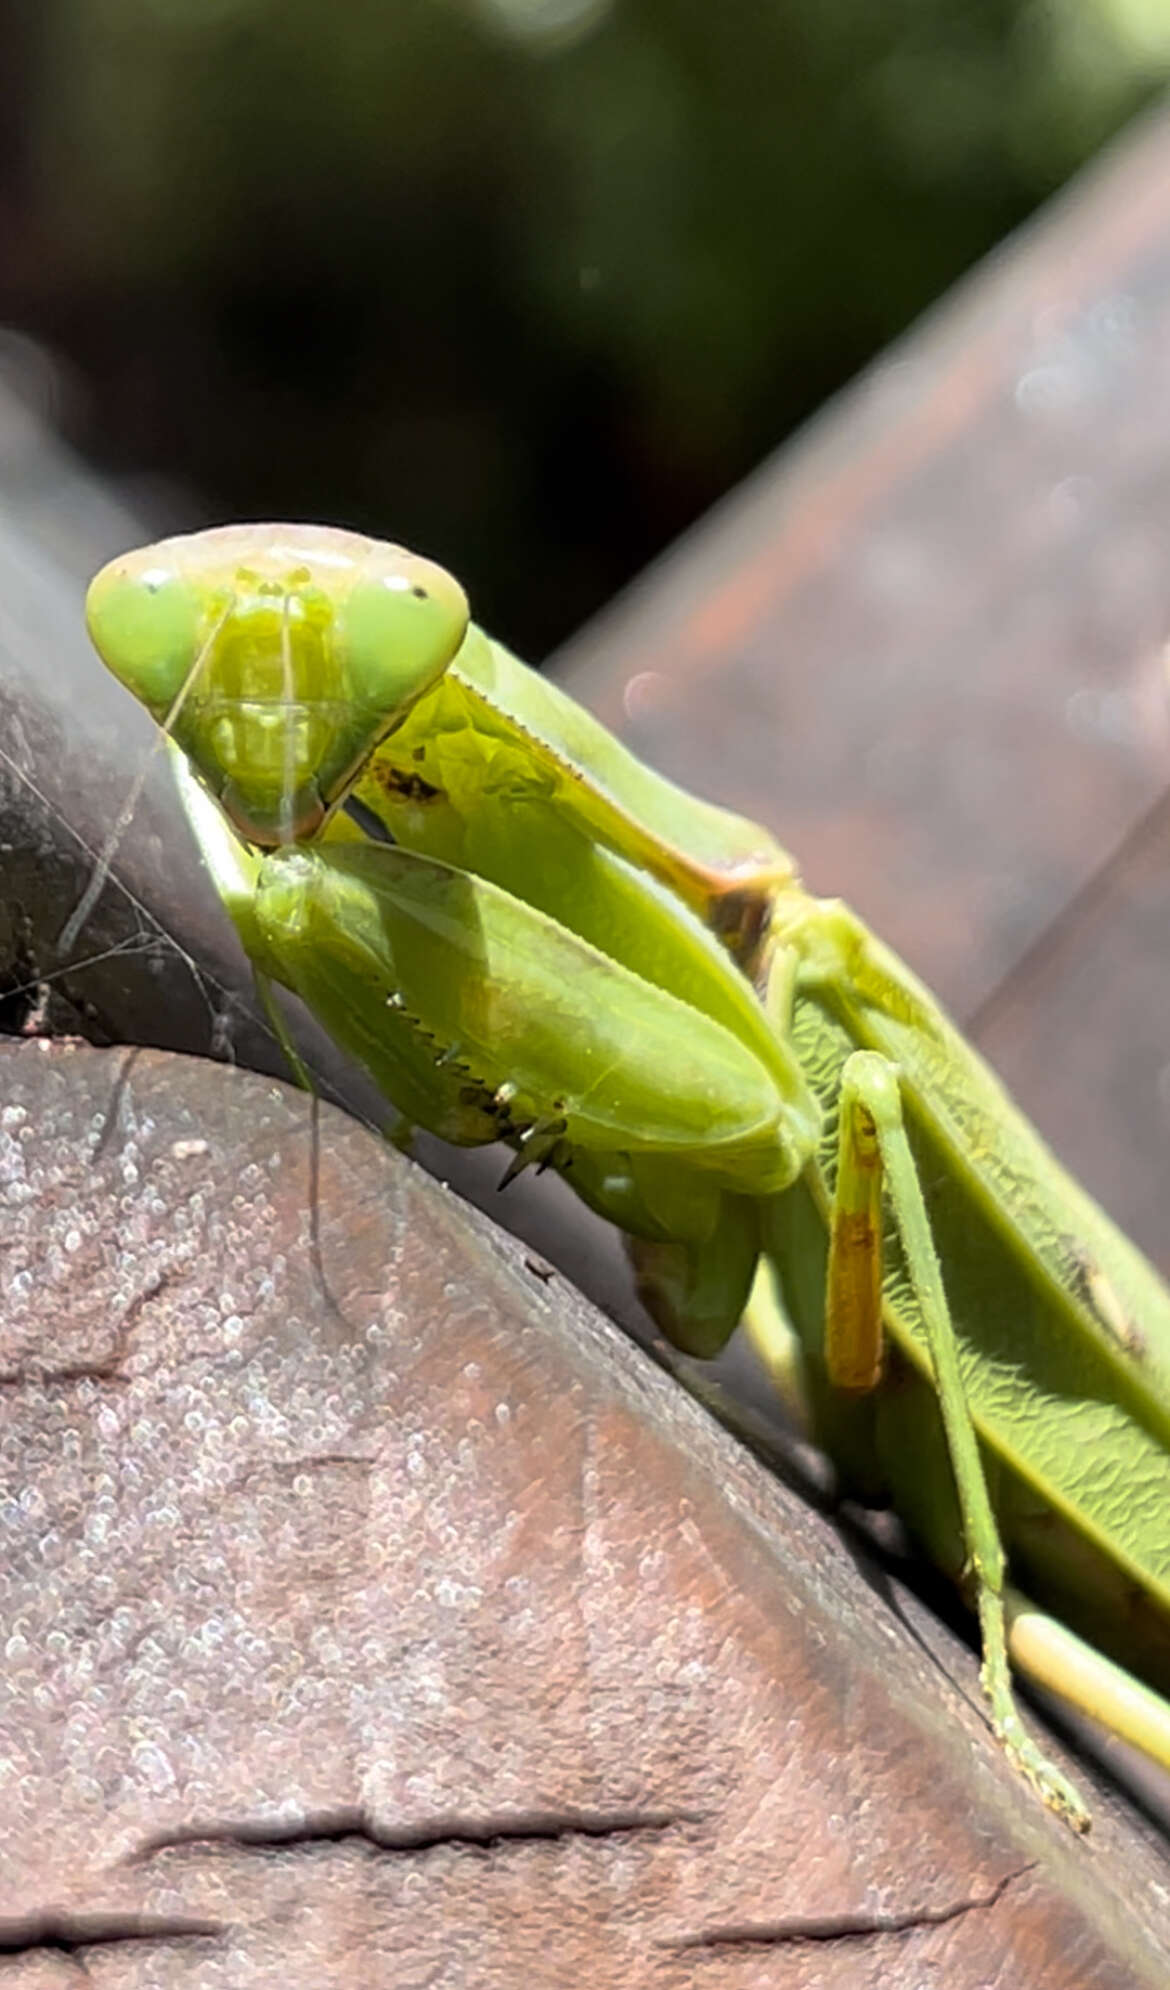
(527, 936)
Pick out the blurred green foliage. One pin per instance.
(527, 282)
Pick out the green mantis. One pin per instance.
(560, 950)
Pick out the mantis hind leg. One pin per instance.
(1048, 1652)
(874, 1153)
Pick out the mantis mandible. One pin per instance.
(560, 950)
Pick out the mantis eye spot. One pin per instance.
(397, 634)
(145, 627)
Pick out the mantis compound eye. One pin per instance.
(398, 629)
(144, 622)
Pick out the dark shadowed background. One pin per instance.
(529, 283)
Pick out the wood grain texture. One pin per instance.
(376, 1615)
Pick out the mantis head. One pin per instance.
(277, 658)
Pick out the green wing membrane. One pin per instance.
(1063, 1328)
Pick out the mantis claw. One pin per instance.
(1052, 1787)
(538, 1148)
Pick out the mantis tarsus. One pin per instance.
(561, 950)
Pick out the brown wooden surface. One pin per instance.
(375, 1617)
(926, 644)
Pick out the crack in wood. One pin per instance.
(800, 1929)
(485, 1834)
(66, 1934)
